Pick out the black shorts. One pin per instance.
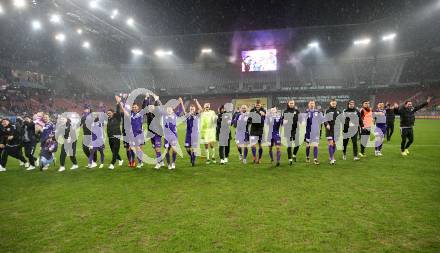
(330, 133)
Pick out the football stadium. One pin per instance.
(219, 126)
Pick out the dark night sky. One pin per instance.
(165, 17)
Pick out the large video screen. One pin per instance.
(259, 60)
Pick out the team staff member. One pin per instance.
(390, 117)
(407, 118)
(114, 133)
(10, 141)
(87, 134)
(330, 129)
(29, 141)
(351, 113)
(69, 137)
(367, 119)
(256, 121)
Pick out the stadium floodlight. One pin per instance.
(389, 37)
(86, 45)
(36, 25)
(1, 9)
(19, 3)
(93, 4)
(55, 19)
(115, 13)
(137, 52)
(364, 41)
(79, 31)
(130, 22)
(162, 53)
(313, 44)
(61, 37)
(206, 50)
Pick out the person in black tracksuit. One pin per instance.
(351, 111)
(390, 117)
(10, 140)
(29, 139)
(114, 133)
(69, 137)
(87, 132)
(291, 115)
(407, 118)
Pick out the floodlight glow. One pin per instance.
(55, 18)
(36, 25)
(86, 45)
(313, 44)
(61, 37)
(137, 52)
(1, 9)
(206, 50)
(93, 4)
(365, 41)
(389, 37)
(162, 53)
(115, 13)
(79, 31)
(130, 21)
(19, 3)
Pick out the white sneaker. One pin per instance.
(2, 169)
(214, 161)
(244, 161)
(158, 165)
(173, 166)
(379, 153)
(45, 167)
(30, 168)
(111, 167)
(332, 162)
(61, 169)
(74, 167)
(22, 164)
(356, 158)
(121, 162)
(344, 157)
(222, 161)
(101, 166)
(162, 163)
(139, 165)
(92, 165)
(26, 165)
(226, 160)
(169, 167)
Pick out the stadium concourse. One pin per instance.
(219, 126)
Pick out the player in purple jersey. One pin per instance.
(134, 136)
(169, 121)
(274, 122)
(155, 130)
(381, 127)
(242, 131)
(192, 131)
(314, 120)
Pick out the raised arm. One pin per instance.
(121, 106)
(420, 106)
(198, 105)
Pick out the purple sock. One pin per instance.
(308, 151)
(174, 156)
(271, 154)
(260, 153)
(254, 152)
(245, 153)
(158, 157)
(278, 155)
(333, 151)
(167, 156)
(315, 152)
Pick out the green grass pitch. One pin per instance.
(386, 204)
